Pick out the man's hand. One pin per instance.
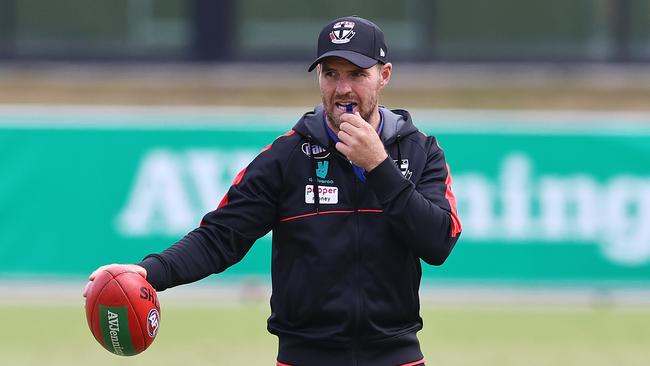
(359, 142)
(129, 267)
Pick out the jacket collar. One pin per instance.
(396, 122)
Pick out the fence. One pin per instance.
(416, 30)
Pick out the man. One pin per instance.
(355, 196)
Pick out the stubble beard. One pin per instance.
(336, 121)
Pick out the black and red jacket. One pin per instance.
(345, 261)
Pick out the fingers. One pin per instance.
(346, 136)
(353, 119)
(348, 131)
(348, 127)
(98, 271)
(86, 289)
(127, 267)
(140, 270)
(354, 125)
(352, 135)
(343, 149)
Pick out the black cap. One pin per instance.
(353, 38)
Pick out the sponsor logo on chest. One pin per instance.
(327, 195)
(317, 151)
(322, 168)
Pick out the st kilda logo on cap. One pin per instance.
(342, 32)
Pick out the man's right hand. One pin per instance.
(128, 267)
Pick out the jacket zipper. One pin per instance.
(357, 270)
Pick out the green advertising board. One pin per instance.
(543, 198)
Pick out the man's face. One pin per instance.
(342, 83)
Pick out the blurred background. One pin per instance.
(122, 123)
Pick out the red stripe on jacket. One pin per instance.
(236, 181)
(361, 210)
(420, 362)
(456, 226)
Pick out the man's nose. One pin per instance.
(343, 86)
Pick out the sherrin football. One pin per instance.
(122, 311)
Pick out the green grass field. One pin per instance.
(236, 335)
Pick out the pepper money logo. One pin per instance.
(153, 322)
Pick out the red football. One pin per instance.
(122, 311)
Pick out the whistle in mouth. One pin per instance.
(348, 108)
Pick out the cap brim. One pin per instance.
(358, 59)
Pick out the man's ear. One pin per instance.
(385, 72)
